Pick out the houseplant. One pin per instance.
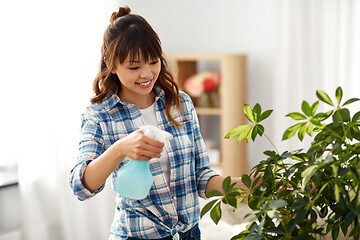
(306, 193)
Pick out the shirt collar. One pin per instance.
(111, 99)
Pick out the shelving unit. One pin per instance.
(232, 93)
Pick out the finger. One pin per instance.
(152, 153)
(151, 141)
(149, 146)
(146, 152)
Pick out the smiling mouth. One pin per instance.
(145, 83)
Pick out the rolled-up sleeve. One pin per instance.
(90, 147)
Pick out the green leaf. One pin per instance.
(259, 129)
(241, 131)
(215, 213)
(236, 192)
(355, 173)
(323, 116)
(335, 169)
(299, 203)
(351, 100)
(249, 113)
(291, 131)
(323, 212)
(226, 184)
(296, 116)
(213, 193)
(279, 203)
(337, 193)
(207, 207)
(290, 225)
(270, 153)
(315, 121)
(345, 114)
(254, 132)
(324, 97)
(237, 131)
(231, 200)
(309, 171)
(356, 117)
(249, 135)
(335, 231)
(305, 107)
(302, 131)
(338, 94)
(340, 116)
(241, 236)
(272, 214)
(256, 112)
(300, 215)
(313, 108)
(355, 133)
(344, 227)
(265, 115)
(246, 180)
(310, 128)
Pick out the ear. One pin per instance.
(107, 65)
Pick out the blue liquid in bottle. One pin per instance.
(134, 180)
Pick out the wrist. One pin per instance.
(117, 150)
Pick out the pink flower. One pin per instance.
(202, 82)
(193, 86)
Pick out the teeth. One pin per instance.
(145, 84)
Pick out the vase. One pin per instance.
(208, 100)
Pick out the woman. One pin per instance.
(134, 88)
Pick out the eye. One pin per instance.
(134, 68)
(154, 62)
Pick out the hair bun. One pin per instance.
(122, 12)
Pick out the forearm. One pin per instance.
(215, 183)
(98, 170)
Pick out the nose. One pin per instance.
(146, 72)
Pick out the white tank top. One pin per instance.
(149, 116)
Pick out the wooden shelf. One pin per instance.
(232, 95)
(208, 111)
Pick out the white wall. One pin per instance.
(228, 26)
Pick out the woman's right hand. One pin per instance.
(135, 146)
(138, 146)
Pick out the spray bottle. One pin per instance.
(134, 180)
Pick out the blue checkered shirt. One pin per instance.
(168, 209)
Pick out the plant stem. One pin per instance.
(271, 143)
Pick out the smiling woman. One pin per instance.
(49, 55)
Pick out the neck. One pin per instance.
(143, 101)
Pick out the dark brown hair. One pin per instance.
(131, 35)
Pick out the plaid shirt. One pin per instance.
(166, 210)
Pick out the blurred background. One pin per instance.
(50, 54)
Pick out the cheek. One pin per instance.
(127, 77)
(157, 70)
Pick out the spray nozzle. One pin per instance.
(156, 133)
